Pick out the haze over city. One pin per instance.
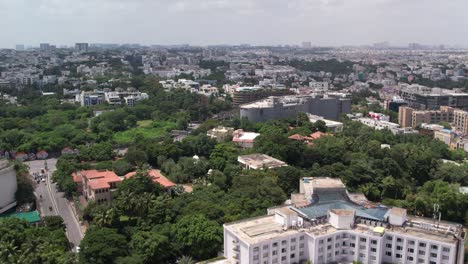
(257, 22)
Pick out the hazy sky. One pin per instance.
(323, 22)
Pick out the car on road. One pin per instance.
(43, 179)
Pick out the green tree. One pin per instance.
(198, 235)
(102, 246)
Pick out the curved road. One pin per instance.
(51, 198)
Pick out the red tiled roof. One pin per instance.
(318, 134)
(99, 179)
(157, 178)
(98, 184)
(77, 178)
(296, 137)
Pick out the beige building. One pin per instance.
(220, 133)
(460, 121)
(98, 185)
(409, 117)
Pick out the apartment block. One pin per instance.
(325, 223)
(460, 121)
(410, 117)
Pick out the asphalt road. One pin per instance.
(53, 202)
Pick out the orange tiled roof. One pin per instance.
(296, 137)
(77, 178)
(100, 179)
(318, 134)
(157, 178)
(98, 184)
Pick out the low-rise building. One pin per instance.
(220, 133)
(98, 185)
(333, 126)
(244, 139)
(260, 162)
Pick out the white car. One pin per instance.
(43, 179)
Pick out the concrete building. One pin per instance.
(260, 162)
(90, 98)
(328, 106)
(334, 126)
(82, 47)
(460, 121)
(409, 117)
(325, 223)
(8, 186)
(220, 133)
(244, 139)
(244, 95)
(425, 98)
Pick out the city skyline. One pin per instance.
(211, 22)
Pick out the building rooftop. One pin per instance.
(258, 161)
(157, 177)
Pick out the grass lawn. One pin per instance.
(147, 128)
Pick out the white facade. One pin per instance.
(289, 234)
(8, 186)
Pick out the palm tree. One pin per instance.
(105, 218)
(185, 260)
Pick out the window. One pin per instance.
(337, 253)
(434, 247)
(362, 247)
(301, 253)
(389, 245)
(410, 250)
(255, 258)
(283, 258)
(410, 242)
(301, 238)
(293, 247)
(362, 255)
(421, 252)
(351, 252)
(409, 258)
(373, 258)
(320, 250)
(444, 257)
(433, 255)
(422, 244)
(388, 253)
(283, 242)
(363, 239)
(432, 262)
(337, 245)
(390, 238)
(265, 255)
(446, 249)
(274, 252)
(256, 249)
(328, 247)
(398, 256)
(275, 244)
(293, 240)
(292, 255)
(399, 248)
(352, 245)
(320, 242)
(265, 247)
(373, 250)
(374, 242)
(283, 250)
(329, 239)
(353, 237)
(398, 240)
(301, 245)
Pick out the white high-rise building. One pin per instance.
(325, 223)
